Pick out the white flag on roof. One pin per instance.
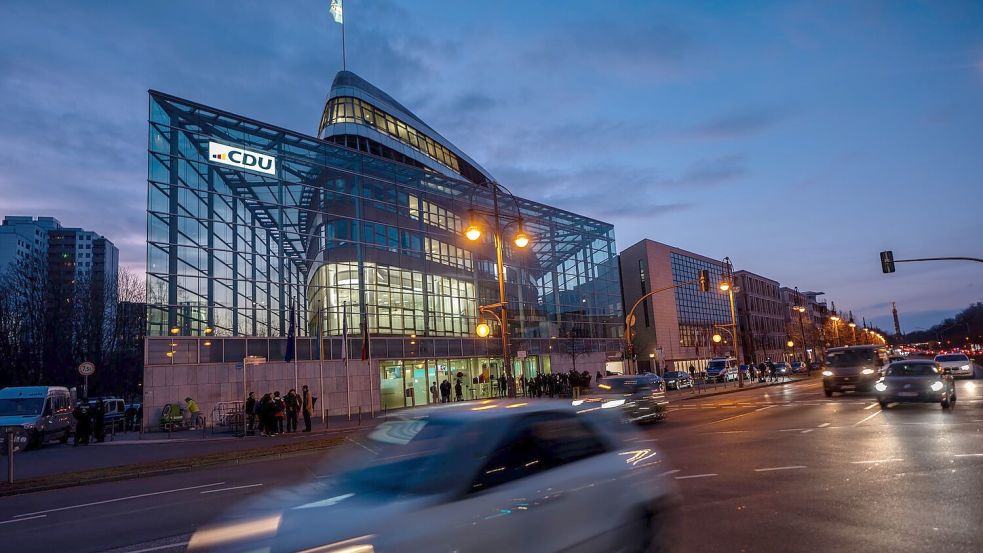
(336, 11)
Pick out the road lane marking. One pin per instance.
(808, 430)
(232, 488)
(823, 425)
(969, 455)
(867, 418)
(159, 548)
(696, 476)
(735, 416)
(668, 472)
(792, 430)
(871, 406)
(22, 519)
(790, 467)
(873, 461)
(119, 499)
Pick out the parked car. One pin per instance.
(956, 364)
(798, 367)
(915, 381)
(782, 369)
(721, 369)
(641, 398)
(677, 380)
(115, 411)
(37, 414)
(490, 476)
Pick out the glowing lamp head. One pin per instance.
(724, 286)
(717, 338)
(521, 239)
(853, 325)
(473, 232)
(175, 330)
(483, 330)
(790, 343)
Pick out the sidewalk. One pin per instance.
(701, 390)
(161, 448)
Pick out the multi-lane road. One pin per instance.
(774, 469)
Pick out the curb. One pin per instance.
(130, 472)
(735, 390)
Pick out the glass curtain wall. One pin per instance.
(337, 231)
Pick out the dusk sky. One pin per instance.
(798, 138)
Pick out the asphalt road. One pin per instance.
(776, 469)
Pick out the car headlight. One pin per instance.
(936, 386)
(880, 386)
(867, 371)
(28, 426)
(964, 367)
(827, 373)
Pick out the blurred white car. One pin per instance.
(497, 476)
(956, 364)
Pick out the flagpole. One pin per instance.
(320, 361)
(368, 338)
(348, 373)
(296, 370)
(344, 61)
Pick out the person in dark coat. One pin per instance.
(307, 404)
(279, 413)
(292, 403)
(267, 416)
(458, 391)
(83, 423)
(99, 421)
(250, 412)
(445, 391)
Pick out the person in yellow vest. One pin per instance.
(194, 411)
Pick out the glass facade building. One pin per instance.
(250, 225)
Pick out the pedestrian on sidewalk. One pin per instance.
(458, 391)
(195, 412)
(308, 406)
(433, 393)
(83, 423)
(250, 412)
(279, 411)
(267, 415)
(292, 403)
(99, 421)
(445, 391)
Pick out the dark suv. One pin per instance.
(853, 368)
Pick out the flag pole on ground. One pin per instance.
(344, 355)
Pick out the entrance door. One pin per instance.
(409, 397)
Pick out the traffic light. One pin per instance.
(887, 261)
(704, 280)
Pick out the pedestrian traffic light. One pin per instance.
(704, 280)
(887, 261)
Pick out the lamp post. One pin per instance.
(728, 286)
(853, 330)
(836, 329)
(521, 240)
(801, 309)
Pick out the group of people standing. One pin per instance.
(272, 411)
(90, 422)
(549, 385)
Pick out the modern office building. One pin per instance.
(254, 230)
(761, 315)
(24, 239)
(674, 328)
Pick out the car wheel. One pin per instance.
(883, 404)
(945, 404)
(64, 439)
(829, 393)
(651, 531)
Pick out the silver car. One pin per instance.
(956, 364)
(495, 475)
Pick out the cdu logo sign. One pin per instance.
(243, 159)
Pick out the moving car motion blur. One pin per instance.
(853, 368)
(640, 398)
(915, 381)
(480, 476)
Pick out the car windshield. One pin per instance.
(622, 385)
(21, 406)
(716, 364)
(675, 374)
(944, 358)
(912, 369)
(411, 457)
(851, 357)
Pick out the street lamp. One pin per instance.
(801, 309)
(521, 240)
(727, 285)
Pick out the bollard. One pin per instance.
(360, 415)
(10, 457)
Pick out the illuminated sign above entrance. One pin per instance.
(243, 159)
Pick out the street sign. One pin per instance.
(87, 369)
(521, 354)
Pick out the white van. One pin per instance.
(721, 369)
(36, 414)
